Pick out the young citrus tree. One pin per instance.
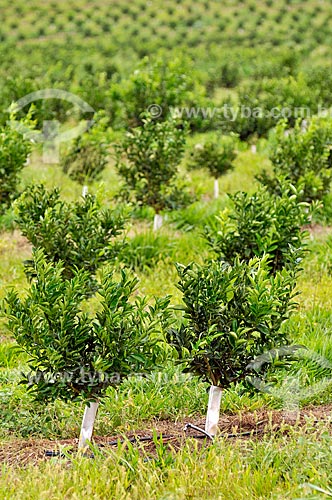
(216, 157)
(262, 103)
(88, 156)
(81, 234)
(231, 314)
(303, 156)
(14, 151)
(159, 84)
(75, 356)
(147, 159)
(261, 224)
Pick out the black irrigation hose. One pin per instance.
(203, 435)
(192, 426)
(52, 453)
(137, 439)
(206, 434)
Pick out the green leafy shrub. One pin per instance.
(164, 82)
(281, 62)
(232, 313)
(265, 102)
(88, 155)
(216, 157)
(320, 78)
(75, 356)
(303, 156)
(14, 151)
(93, 87)
(261, 224)
(16, 87)
(82, 234)
(147, 159)
(13, 88)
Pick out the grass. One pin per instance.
(274, 468)
(13, 249)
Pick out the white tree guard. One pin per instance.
(216, 188)
(213, 411)
(88, 421)
(157, 222)
(85, 191)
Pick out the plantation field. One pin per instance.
(150, 25)
(213, 121)
(270, 466)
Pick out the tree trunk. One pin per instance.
(88, 421)
(212, 416)
(216, 189)
(157, 222)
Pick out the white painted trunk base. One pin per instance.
(304, 126)
(88, 421)
(216, 188)
(157, 222)
(254, 148)
(213, 411)
(85, 191)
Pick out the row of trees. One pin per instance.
(235, 306)
(175, 82)
(148, 157)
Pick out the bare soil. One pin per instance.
(253, 425)
(317, 230)
(14, 239)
